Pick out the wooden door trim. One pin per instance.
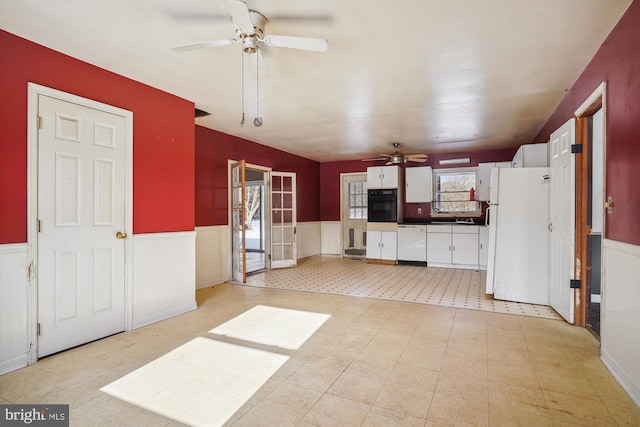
(595, 102)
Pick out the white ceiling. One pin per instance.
(435, 75)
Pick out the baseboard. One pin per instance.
(164, 315)
(616, 370)
(9, 365)
(208, 284)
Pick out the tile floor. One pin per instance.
(374, 362)
(437, 286)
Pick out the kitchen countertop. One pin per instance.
(444, 221)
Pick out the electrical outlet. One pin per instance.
(419, 211)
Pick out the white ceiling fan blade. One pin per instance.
(417, 156)
(374, 160)
(201, 45)
(417, 159)
(241, 17)
(303, 43)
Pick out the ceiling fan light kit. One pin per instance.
(250, 31)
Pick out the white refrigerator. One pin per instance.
(518, 261)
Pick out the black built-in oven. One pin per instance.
(382, 205)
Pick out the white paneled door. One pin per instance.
(562, 216)
(81, 213)
(283, 219)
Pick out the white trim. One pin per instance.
(620, 375)
(13, 248)
(165, 235)
(163, 315)
(600, 92)
(13, 364)
(33, 91)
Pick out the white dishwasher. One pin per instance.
(412, 243)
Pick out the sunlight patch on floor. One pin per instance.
(273, 326)
(203, 382)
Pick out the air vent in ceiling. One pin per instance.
(201, 113)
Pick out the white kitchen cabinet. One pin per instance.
(531, 155)
(464, 246)
(383, 176)
(382, 245)
(453, 246)
(483, 247)
(438, 244)
(412, 243)
(484, 178)
(418, 184)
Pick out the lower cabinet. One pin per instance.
(483, 247)
(382, 245)
(452, 246)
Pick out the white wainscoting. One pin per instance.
(14, 307)
(164, 276)
(309, 239)
(213, 260)
(331, 238)
(620, 331)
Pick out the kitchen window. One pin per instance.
(454, 192)
(358, 200)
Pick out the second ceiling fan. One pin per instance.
(399, 158)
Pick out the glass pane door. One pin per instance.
(283, 219)
(239, 257)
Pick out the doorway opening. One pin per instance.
(262, 215)
(590, 206)
(256, 221)
(353, 202)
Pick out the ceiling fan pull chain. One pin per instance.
(242, 83)
(257, 122)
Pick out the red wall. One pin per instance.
(617, 62)
(163, 136)
(330, 173)
(214, 149)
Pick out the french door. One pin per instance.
(283, 220)
(238, 229)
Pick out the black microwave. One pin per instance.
(382, 205)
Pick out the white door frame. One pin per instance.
(342, 175)
(267, 170)
(34, 90)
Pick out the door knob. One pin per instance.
(121, 236)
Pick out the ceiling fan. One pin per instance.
(250, 30)
(398, 158)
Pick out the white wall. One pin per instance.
(331, 232)
(309, 239)
(213, 263)
(164, 276)
(14, 304)
(620, 313)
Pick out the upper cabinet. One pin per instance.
(484, 178)
(418, 184)
(531, 155)
(383, 176)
